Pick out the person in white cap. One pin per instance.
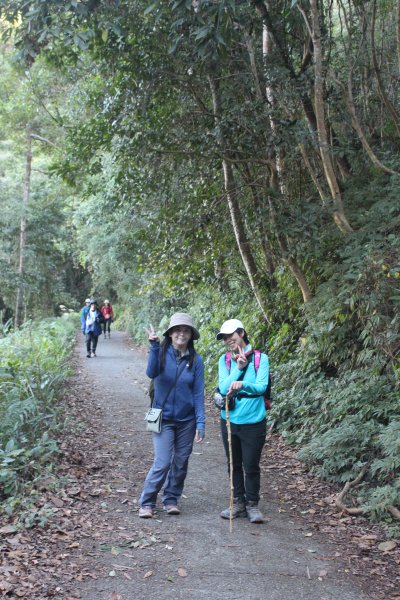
(178, 374)
(244, 374)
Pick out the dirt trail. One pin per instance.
(194, 555)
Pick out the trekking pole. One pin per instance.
(228, 427)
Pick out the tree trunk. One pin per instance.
(381, 87)
(398, 33)
(279, 181)
(260, 214)
(19, 304)
(358, 129)
(262, 8)
(290, 261)
(330, 175)
(242, 241)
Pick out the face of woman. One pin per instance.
(180, 336)
(234, 341)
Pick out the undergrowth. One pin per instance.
(34, 363)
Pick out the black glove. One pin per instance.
(220, 400)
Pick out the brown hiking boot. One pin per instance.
(253, 513)
(238, 510)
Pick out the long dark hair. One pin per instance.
(167, 342)
(245, 338)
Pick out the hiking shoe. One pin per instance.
(93, 355)
(253, 513)
(145, 512)
(172, 509)
(238, 510)
(88, 355)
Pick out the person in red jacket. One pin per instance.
(108, 314)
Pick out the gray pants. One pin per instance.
(172, 449)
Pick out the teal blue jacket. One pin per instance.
(251, 410)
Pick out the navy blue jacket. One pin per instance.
(95, 327)
(185, 400)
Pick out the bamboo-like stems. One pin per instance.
(228, 428)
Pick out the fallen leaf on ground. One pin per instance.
(322, 573)
(114, 596)
(387, 546)
(112, 574)
(182, 572)
(148, 574)
(8, 529)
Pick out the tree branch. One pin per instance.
(339, 500)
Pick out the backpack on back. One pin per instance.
(257, 359)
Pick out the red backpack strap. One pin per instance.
(228, 361)
(257, 359)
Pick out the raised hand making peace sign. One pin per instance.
(151, 332)
(241, 359)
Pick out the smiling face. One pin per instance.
(234, 340)
(180, 336)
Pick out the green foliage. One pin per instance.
(143, 137)
(34, 363)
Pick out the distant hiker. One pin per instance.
(240, 376)
(84, 312)
(108, 314)
(178, 373)
(92, 328)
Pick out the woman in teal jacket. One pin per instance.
(241, 377)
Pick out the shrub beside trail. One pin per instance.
(34, 363)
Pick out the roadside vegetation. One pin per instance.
(232, 159)
(34, 365)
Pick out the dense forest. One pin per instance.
(230, 158)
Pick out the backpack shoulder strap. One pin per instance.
(228, 361)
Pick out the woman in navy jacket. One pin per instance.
(91, 327)
(178, 373)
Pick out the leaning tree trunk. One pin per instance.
(22, 234)
(279, 181)
(323, 141)
(242, 240)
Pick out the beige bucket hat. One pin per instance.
(180, 318)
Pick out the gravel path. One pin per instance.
(194, 555)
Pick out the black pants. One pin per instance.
(91, 340)
(107, 325)
(247, 445)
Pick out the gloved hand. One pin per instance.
(219, 400)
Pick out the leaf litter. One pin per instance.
(83, 530)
